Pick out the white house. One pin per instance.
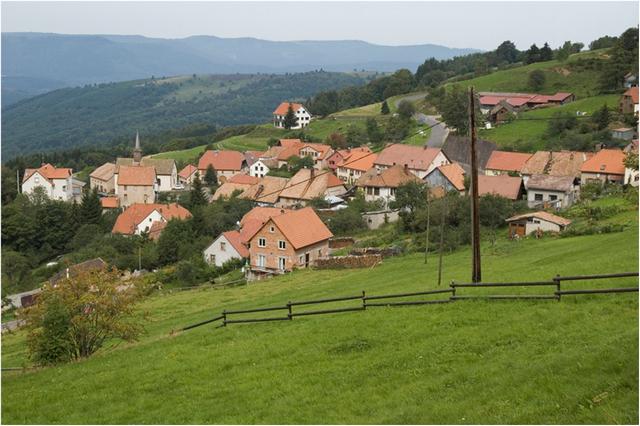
(261, 167)
(555, 191)
(57, 183)
(140, 218)
(226, 247)
(382, 184)
(300, 111)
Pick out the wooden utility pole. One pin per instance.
(18, 180)
(426, 244)
(476, 274)
(442, 220)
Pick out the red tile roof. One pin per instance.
(633, 92)
(359, 160)
(454, 174)
(187, 171)
(503, 185)
(261, 214)
(130, 218)
(242, 178)
(541, 215)
(104, 172)
(235, 239)
(48, 172)
(609, 161)
(110, 202)
(136, 175)
(507, 161)
(284, 107)
(392, 177)
(287, 143)
(221, 160)
(417, 158)
(302, 227)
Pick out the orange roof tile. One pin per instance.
(609, 161)
(562, 163)
(110, 202)
(228, 188)
(361, 161)
(244, 179)
(261, 214)
(48, 172)
(287, 143)
(187, 171)
(136, 175)
(454, 174)
(134, 214)
(541, 215)
(503, 185)
(302, 227)
(392, 177)
(221, 160)
(417, 158)
(284, 107)
(507, 161)
(235, 239)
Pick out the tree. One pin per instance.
(76, 317)
(175, 241)
(355, 136)
(410, 197)
(455, 110)
(507, 52)
(603, 43)
(537, 80)
(563, 53)
(210, 176)
(290, 120)
(384, 110)
(631, 160)
(546, 54)
(336, 140)
(532, 55)
(374, 133)
(91, 208)
(601, 118)
(198, 197)
(296, 163)
(397, 129)
(406, 109)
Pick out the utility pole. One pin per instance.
(426, 244)
(476, 274)
(139, 258)
(18, 180)
(442, 219)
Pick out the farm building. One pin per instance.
(550, 191)
(302, 115)
(505, 162)
(450, 177)
(606, 166)
(528, 223)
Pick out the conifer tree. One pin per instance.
(210, 176)
(198, 197)
(290, 120)
(91, 208)
(385, 108)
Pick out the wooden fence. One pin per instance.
(289, 310)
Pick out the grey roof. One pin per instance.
(550, 183)
(73, 270)
(458, 149)
(163, 166)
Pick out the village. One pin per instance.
(283, 232)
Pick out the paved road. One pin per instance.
(439, 132)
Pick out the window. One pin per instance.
(301, 260)
(282, 245)
(272, 229)
(212, 258)
(125, 187)
(262, 260)
(36, 179)
(376, 191)
(262, 242)
(282, 263)
(393, 191)
(320, 252)
(553, 197)
(538, 197)
(223, 246)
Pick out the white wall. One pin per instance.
(221, 256)
(145, 224)
(258, 169)
(56, 189)
(566, 199)
(534, 224)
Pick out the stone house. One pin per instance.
(381, 184)
(103, 179)
(136, 184)
(607, 165)
(544, 191)
(529, 223)
(450, 177)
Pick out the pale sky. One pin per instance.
(480, 25)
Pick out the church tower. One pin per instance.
(137, 151)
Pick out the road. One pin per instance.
(439, 131)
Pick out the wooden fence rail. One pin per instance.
(365, 300)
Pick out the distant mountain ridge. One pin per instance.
(53, 61)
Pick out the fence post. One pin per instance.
(289, 310)
(224, 318)
(557, 281)
(453, 288)
(364, 301)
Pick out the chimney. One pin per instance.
(406, 168)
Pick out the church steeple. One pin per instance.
(137, 151)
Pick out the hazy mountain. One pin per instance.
(69, 60)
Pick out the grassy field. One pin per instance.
(559, 78)
(533, 131)
(463, 363)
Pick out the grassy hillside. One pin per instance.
(476, 362)
(567, 76)
(532, 131)
(100, 114)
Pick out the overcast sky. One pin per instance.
(481, 25)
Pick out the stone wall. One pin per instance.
(348, 262)
(340, 242)
(384, 252)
